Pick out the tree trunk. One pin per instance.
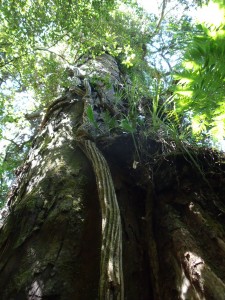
(172, 213)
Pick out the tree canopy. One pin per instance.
(175, 66)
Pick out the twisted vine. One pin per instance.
(111, 285)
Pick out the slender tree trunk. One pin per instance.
(172, 214)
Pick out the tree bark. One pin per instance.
(172, 213)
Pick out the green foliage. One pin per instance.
(200, 92)
(127, 125)
(164, 123)
(132, 94)
(90, 115)
(110, 122)
(39, 37)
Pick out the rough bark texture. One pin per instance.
(172, 218)
(189, 230)
(47, 242)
